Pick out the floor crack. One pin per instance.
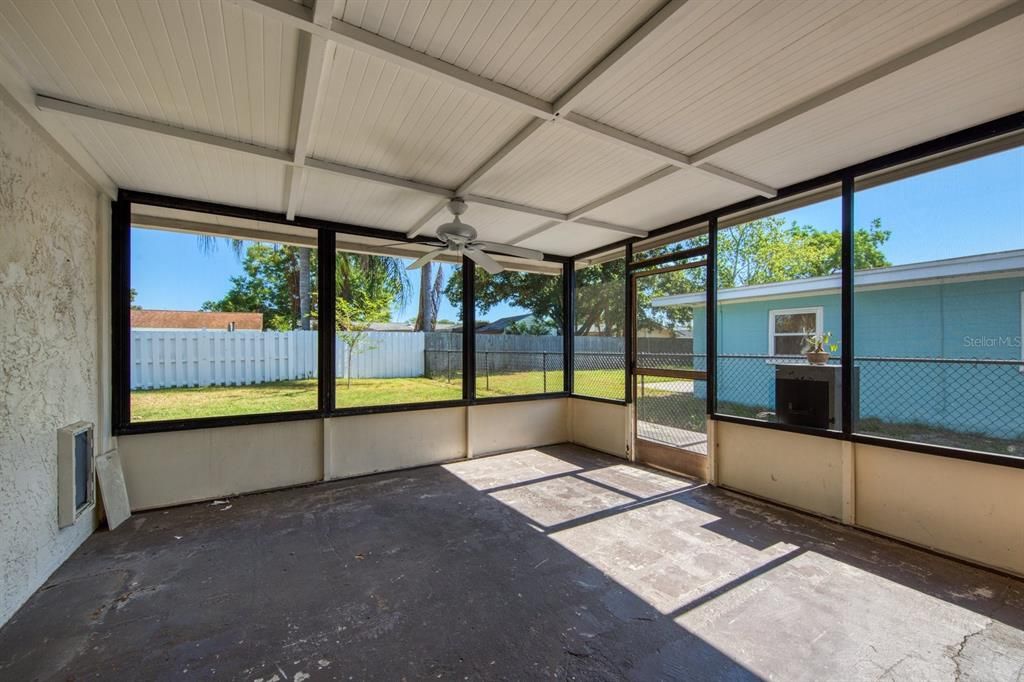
(959, 652)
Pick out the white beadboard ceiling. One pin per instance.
(427, 98)
(562, 169)
(540, 48)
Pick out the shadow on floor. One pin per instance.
(555, 562)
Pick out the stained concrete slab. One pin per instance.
(549, 563)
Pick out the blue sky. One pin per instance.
(971, 208)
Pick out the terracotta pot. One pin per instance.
(817, 357)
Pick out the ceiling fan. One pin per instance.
(459, 239)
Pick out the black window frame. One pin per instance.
(845, 177)
(326, 231)
(947, 145)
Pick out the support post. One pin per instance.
(468, 330)
(630, 324)
(120, 320)
(568, 327)
(711, 318)
(846, 350)
(326, 294)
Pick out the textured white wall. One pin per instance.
(48, 342)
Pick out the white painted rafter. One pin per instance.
(300, 17)
(47, 103)
(309, 164)
(308, 79)
(562, 107)
(337, 31)
(84, 163)
(660, 153)
(904, 60)
(341, 32)
(649, 30)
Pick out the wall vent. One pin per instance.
(76, 488)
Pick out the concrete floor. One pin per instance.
(554, 562)
(691, 441)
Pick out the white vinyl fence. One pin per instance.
(175, 358)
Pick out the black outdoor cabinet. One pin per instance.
(811, 395)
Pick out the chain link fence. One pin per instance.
(672, 411)
(600, 374)
(976, 404)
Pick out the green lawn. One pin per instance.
(291, 396)
(678, 410)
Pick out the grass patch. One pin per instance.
(679, 410)
(933, 435)
(371, 392)
(223, 401)
(291, 396)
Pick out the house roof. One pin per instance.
(189, 319)
(390, 326)
(500, 325)
(566, 126)
(999, 264)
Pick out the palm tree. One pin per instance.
(304, 291)
(208, 244)
(430, 296)
(373, 284)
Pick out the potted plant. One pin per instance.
(818, 347)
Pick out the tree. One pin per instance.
(541, 295)
(759, 252)
(767, 250)
(132, 293)
(305, 295)
(531, 326)
(429, 298)
(269, 284)
(368, 288)
(208, 244)
(276, 280)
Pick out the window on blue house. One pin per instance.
(789, 329)
(938, 308)
(778, 317)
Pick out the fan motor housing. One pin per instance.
(456, 232)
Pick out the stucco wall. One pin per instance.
(48, 345)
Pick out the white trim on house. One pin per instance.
(819, 317)
(964, 268)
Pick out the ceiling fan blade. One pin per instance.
(509, 250)
(425, 258)
(483, 260)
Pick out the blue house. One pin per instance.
(949, 330)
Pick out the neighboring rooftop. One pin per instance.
(194, 319)
(1004, 263)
